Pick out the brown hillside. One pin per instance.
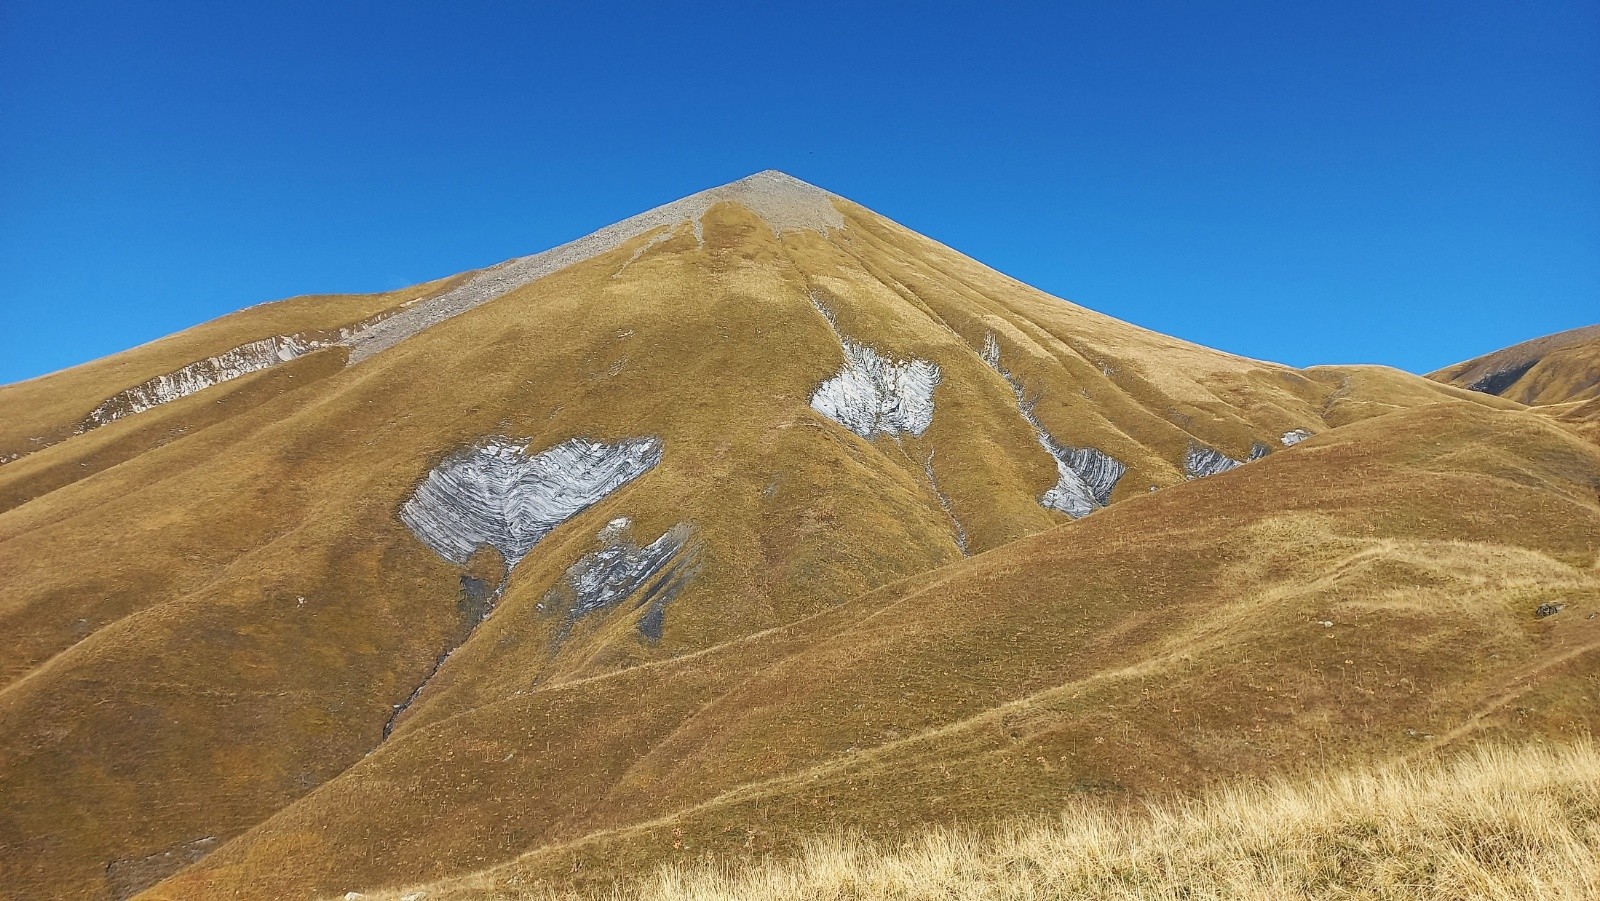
(222, 637)
(1337, 603)
(1550, 370)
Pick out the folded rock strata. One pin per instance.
(652, 575)
(1203, 461)
(495, 494)
(1086, 476)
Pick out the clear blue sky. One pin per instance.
(1405, 183)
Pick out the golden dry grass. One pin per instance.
(161, 681)
(1554, 369)
(1498, 823)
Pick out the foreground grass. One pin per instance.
(1495, 824)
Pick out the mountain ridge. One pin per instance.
(224, 623)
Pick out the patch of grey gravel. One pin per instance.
(783, 202)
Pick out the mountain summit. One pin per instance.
(750, 514)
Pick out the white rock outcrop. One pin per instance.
(1203, 461)
(1294, 436)
(196, 377)
(873, 395)
(1086, 476)
(496, 494)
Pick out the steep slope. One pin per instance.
(1555, 369)
(325, 526)
(1385, 588)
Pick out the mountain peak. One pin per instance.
(783, 202)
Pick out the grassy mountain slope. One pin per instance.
(1494, 825)
(1335, 603)
(1551, 370)
(213, 612)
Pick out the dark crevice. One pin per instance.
(474, 603)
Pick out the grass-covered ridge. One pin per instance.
(1496, 823)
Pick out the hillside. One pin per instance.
(753, 515)
(1237, 625)
(1491, 825)
(1555, 369)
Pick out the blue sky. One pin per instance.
(1403, 183)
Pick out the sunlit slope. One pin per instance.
(43, 411)
(1555, 369)
(1495, 824)
(212, 605)
(1371, 592)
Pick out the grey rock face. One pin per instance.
(1257, 451)
(495, 494)
(197, 376)
(1500, 380)
(1294, 436)
(620, 569)
(785, 204)
(873, 395)
(1085, 475)
(1099, 471)
(1204, 461)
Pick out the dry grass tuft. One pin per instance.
(1495, 824)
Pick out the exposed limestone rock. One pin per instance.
(873, 395)
(1204, 461)
(1294, 436)
(197, 376)
(1257, 451)
(652, 575)
(991, 352)
(496, 494)
(1099, 471)
(1086, 476)
(784, 203)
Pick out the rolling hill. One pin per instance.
(754, 515)
(1555, 369)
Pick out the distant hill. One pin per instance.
(1554, 369)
